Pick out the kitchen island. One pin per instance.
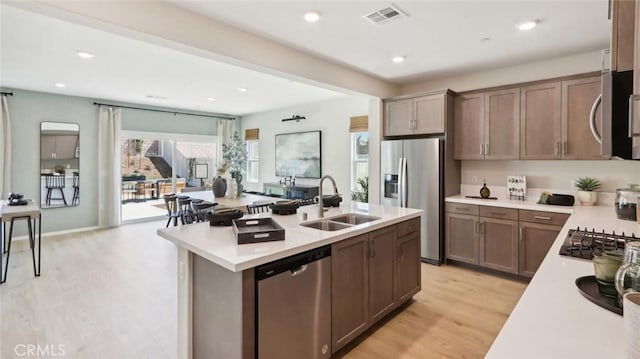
(216, 276)
(552, 319)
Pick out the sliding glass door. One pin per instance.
(153, 165)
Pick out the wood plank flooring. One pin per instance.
(112, 294)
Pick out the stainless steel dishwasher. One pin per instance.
(294, 306)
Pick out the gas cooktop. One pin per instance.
(582, 243)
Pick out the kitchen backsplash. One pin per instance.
(556, 175)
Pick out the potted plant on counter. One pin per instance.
(586, 190)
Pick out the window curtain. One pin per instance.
(109, 158)
(5, 149)
(225, 135)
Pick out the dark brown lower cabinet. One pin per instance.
(409, 276)
(462, 237)
(505, 239)
(382, 272)
(499, 244)
(535, 241)
(349, 290)
(371, 275)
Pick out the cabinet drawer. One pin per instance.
(499, 212)
(462, 208)
(408, 227)
(557, 219)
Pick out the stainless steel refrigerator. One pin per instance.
(413, 177)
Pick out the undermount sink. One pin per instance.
(339, 222)
(353, 218)
(326, 225)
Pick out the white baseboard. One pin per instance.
(49, 234)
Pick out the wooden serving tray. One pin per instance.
(257, 230)
(588, 287)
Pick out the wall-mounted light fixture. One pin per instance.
(296, 118)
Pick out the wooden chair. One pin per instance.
(258, 208)
(173, 212)
(186, 212)
(200, 210)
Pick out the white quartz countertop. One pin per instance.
(219, 245)
(552, 319)
(506, 203)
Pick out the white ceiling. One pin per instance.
(37, 51)
(439, 38)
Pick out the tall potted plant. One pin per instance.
(586, 190)
(235, 153)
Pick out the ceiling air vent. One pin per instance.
(385, 15)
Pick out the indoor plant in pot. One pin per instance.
(235, 153)
(586, 190)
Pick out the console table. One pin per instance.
(299, 191)
(30, 212)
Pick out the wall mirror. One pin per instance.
(59, 164)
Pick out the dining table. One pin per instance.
(9, 214)
(240, 202)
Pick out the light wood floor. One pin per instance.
(112, 294)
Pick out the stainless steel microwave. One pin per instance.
(620, 124)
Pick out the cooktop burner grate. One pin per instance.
(582, 243)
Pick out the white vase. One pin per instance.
(232, 189)
(587, 198)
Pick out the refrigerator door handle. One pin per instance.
(405, 196)
(400, 181)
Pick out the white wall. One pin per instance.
(330, 117)
(563, 66)
(556, 175)
(28, 108)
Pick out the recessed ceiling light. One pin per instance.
(398, 59)
(527, 25)
(85, 55)
(61, 85)
(157, 97)
(243, 89)
(211, 98)
(312, 16)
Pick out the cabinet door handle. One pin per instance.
(372, 248)
(477, 226)
(482, 149)
(520, 234)
(499, 213)
(543, 218)
(486, 149)
(481, 227)
(564, 147)
(462, 208)
(557, 148)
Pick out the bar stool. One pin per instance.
(76, 188)
(201, 209)
(186, 212)
(53, 182)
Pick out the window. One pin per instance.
(253, 154)
(359, 158)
